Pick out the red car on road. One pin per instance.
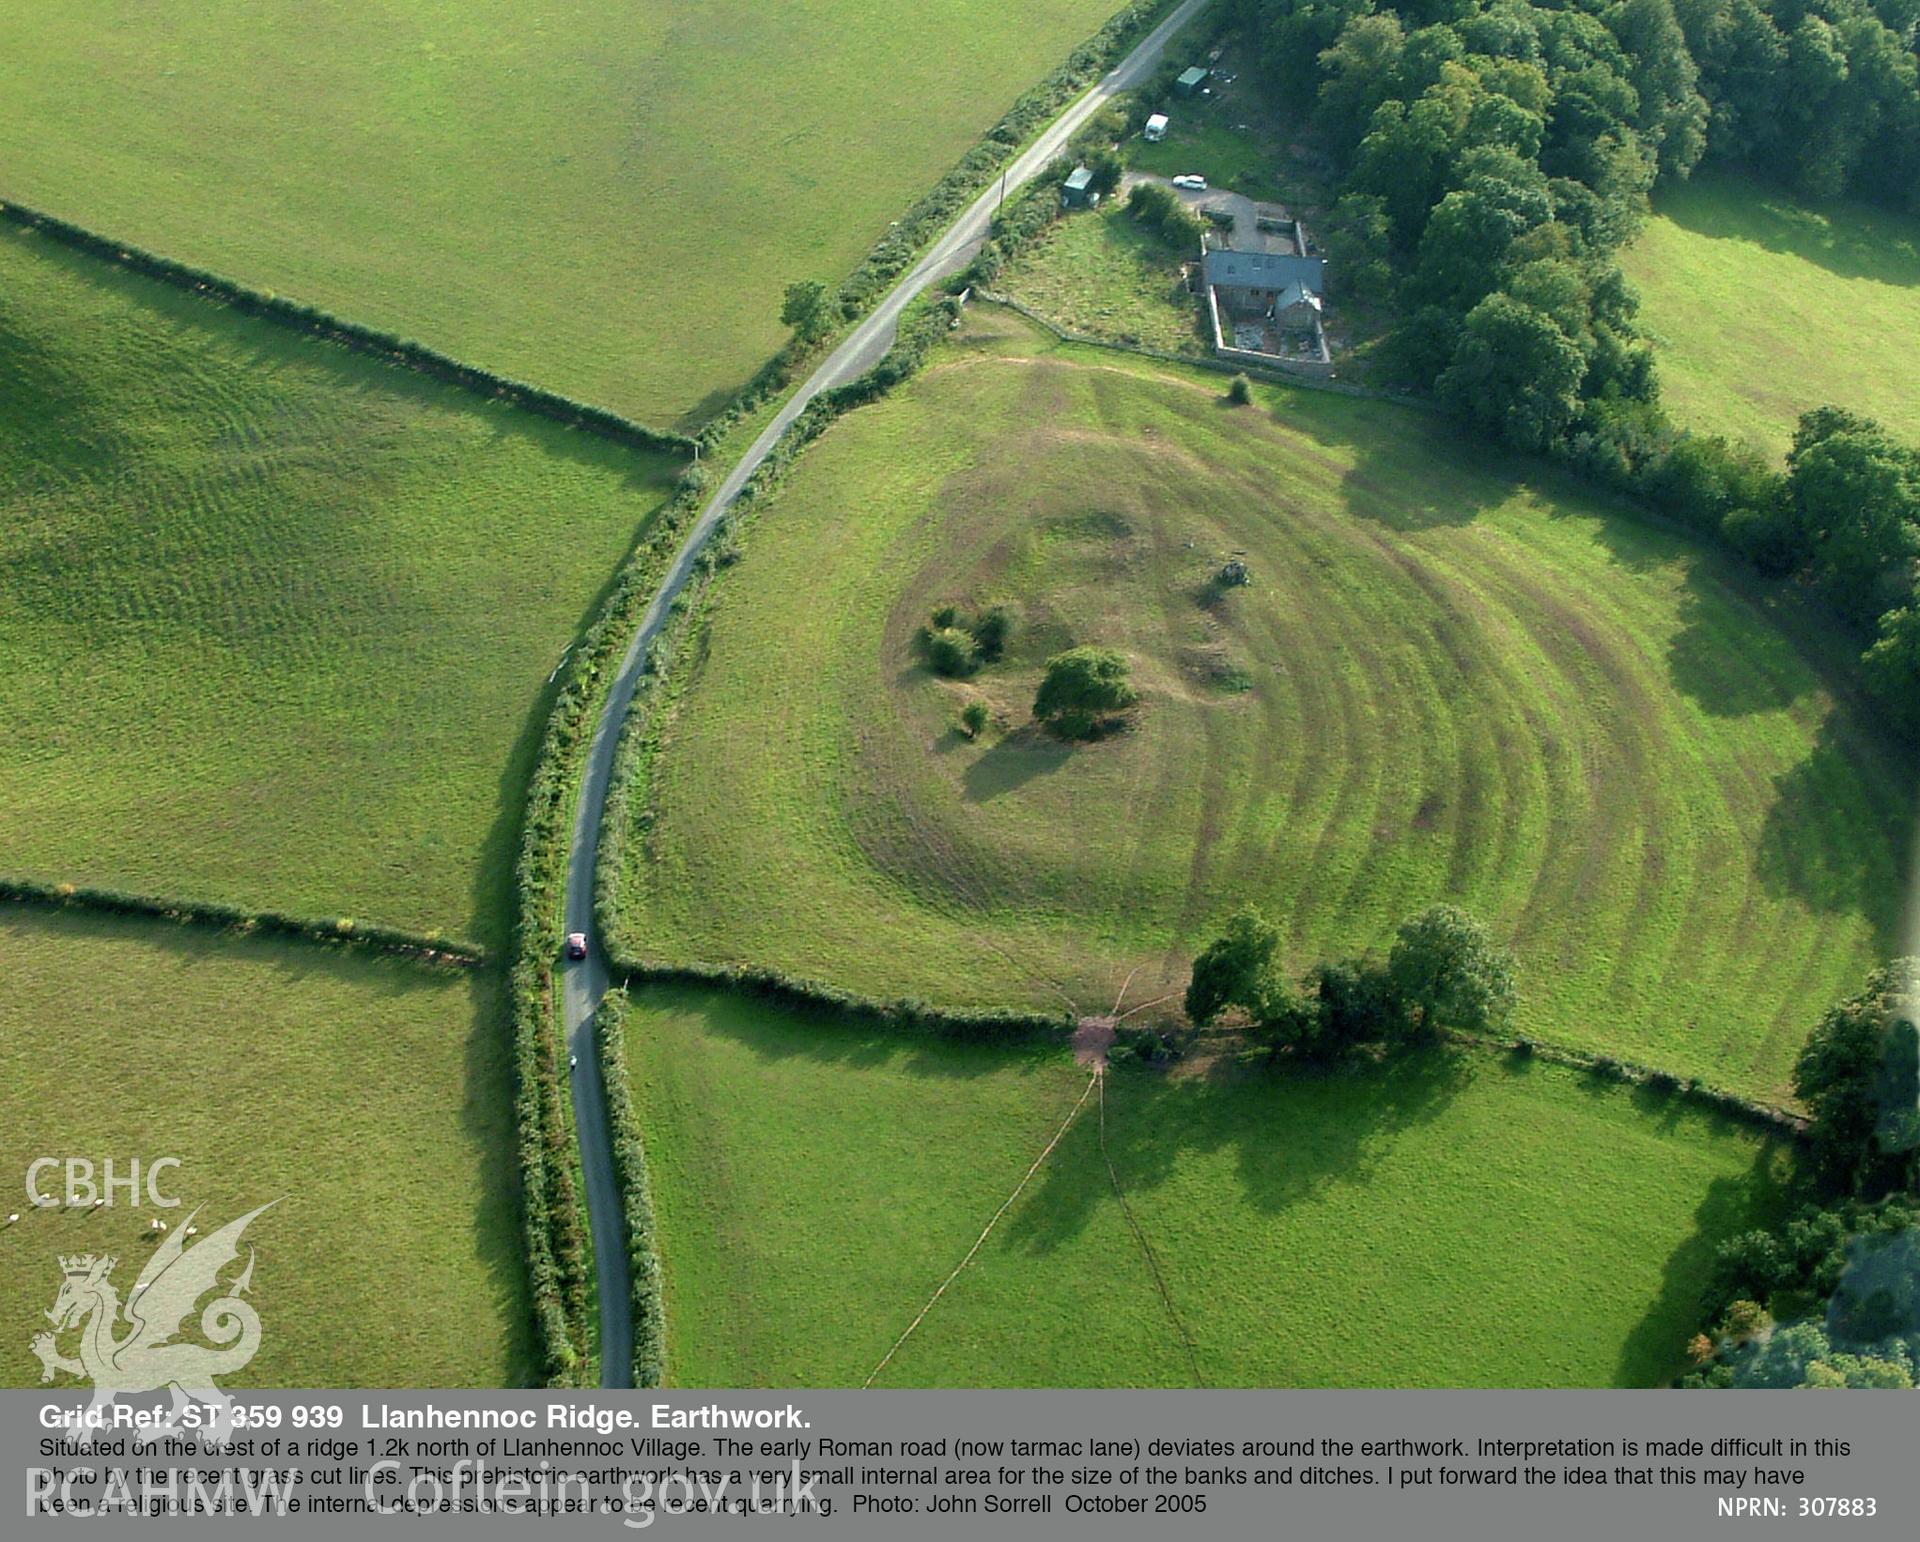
(576, 944)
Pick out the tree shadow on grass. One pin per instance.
(1848, 240)
(1837, 836)
(1653, 1353)
(1295, 1132)
(776, 1033)
(1729, 668)
(1013, 761)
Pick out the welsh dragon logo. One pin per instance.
(151, 1355)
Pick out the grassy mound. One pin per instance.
(278, 619)
(604, 200)
(1439, 1222)
(1443, 682)
(370, 1098)
(1763, 308)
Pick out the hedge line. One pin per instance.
(551, 1208)
(310, 319)
(335, 930)
(893, 253)
(630, 1172)
(1751, 1111)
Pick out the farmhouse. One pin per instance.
(1257, 283)
(1266, 302)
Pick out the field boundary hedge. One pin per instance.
(636, 1194)
(337, 931)
(359, 338)
(901, 242)
(1690, 1089)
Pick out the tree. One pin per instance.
(1514, 373)
(1352, 1007)
(805, 308)
(1892, 665)
(1107, 169)
(1444, 974)
(1240, 390)
(952, 652)
(1084, 689)
(1849, 1073)
(974, 718)
(1855, 492)
(1236, 969)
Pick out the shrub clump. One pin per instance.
(974, 718)
(1240, 392)
(1084, 692)
(955, 645)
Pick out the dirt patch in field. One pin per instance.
(1092, 1039)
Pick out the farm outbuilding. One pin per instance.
(1077, 191)
(1191, 81)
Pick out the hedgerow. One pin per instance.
(339, 931)
(316, 322)
(630, 1172)
(555, 1237)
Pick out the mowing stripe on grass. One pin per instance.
(980, 1241)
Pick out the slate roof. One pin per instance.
(1264, 270)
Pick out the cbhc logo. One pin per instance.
(82, 1192)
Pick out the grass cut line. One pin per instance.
(1454, 676)
(979, 1241)
(1146, 1247)
(603, 200)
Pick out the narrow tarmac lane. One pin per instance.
(585, 982)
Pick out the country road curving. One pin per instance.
(585, 982)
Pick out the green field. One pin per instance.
(1763, 308)
(1103, 275)
(1451, 678)
(371, 1098)
(1437, 1222)
(277, 619)
(604, 199)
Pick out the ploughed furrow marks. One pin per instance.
(1448, 679)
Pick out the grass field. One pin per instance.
(277, 619)
(370, 1098)
(1103, 275)
(1439, 1222)
(1763, 308)
(1446, 681)
(604, 199)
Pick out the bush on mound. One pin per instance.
(1084, 690)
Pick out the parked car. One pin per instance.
(576, 944)
(1190, 182)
